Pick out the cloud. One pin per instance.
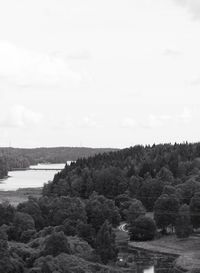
(155, 121)
(193, 6)
(128, 122)
(76, 55)
(171, 52)
(195, 82)
(88, 122)
(20, 117)
(185, 116)
(29, 68)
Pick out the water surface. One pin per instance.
(30, 178)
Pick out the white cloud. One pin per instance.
(19, 116)
(129, 122)
(185, 116)
(88, 122)
(171, 52)
(30, 68)
(154, 121)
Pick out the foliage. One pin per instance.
(195, 210)
(183, 224)
(99, 209)
(105, 243)
(63, 207)
(135, 210)
(22, 222)
(56, 243)
(3, 167)
(165, 211)
(7, 213)
(32, 208)
(186, 190)
(143, 229)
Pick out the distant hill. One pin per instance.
(24, 157)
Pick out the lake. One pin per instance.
(30, 178)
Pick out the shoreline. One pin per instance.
(14, 197)
(185, 261)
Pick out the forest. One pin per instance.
(13, 158)
(71, 227)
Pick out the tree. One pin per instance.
(169, 190)
(32, 208)
(110, 182)
(99, 209)
(186, 190)
(22, 222)
(143, 229)
(134, 186)
(150, 191)
(135, 210)
(165, 211)
(195, 210)
(65, 207)
(4, 254)
(87, 233)
(70, 227)
(183, 224)
(105, 243)
(165, 175)
(56, 243)
(7, 212)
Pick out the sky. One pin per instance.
(107, 73)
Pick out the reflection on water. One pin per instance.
(149, 270)
(141, 261)
(30, 178)
(49, 166)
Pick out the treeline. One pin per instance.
(70, 228)
(164, 179)
(14, 158)
(140, 172)
(3, 168)
(22, 158)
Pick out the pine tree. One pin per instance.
(105, 243)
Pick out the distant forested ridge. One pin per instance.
(23, 158)
(3, 168)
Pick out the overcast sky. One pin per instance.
(109, 73)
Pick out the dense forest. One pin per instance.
(12, 158)
(70, 228)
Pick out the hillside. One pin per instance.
(140, 171)
(22, 157)
(72, 226)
